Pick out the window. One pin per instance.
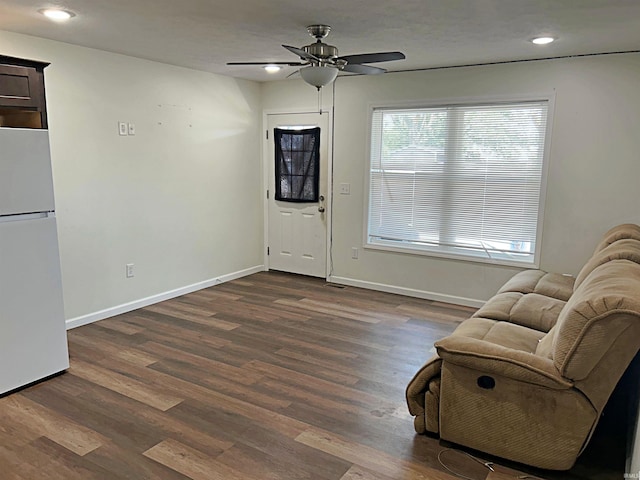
(458, 180)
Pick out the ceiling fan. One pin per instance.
(320, 62)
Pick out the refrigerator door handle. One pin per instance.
(26, 216)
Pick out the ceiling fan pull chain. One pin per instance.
(320, 101)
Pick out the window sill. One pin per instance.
(455, 253)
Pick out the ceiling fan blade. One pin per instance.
(297, 72)
(373, 57)
(362, 69)
(291, 64)
(301, 53)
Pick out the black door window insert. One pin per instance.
(297, 164)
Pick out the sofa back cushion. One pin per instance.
(605, 305)
(619, 232)
(624, 249)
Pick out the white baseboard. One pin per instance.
(143, 302)
(409, 292)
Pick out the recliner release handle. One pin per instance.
(486, 382)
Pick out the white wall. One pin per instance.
(593, 172)
(181, 199)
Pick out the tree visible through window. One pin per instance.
(458, 180)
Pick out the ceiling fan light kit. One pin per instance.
(318, 76)
(320, 62)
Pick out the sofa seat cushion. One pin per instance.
(554, 285)
(505, 334)
(530, 310)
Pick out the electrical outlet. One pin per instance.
(132, 129)
(354, 253)
(123, 128)
(130, 272)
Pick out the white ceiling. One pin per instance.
(205, 34)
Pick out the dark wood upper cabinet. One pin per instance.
(22, 95)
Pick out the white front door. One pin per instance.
(297, 232)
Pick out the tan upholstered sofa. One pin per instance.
(527, 377)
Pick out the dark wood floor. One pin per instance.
(273, 376)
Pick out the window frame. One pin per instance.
(437, 252)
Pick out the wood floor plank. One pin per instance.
(162, 326)
(210, 294)
(362, 310)
(61, 464)
(235, 374)
(317, 307)
(157, 423)
(125, 386)
(288, 450)
(312, 383)
(253, 463)
(192, 463)
(321, 372)
(122, 327)
(177, 386)
(200, 377)
(40, 461)
(316, 349)
(130, 464)
(370, 458)
(14, 430)
(47, 423)
(356, 472)
(118, 424)
(184, 311)
(110, 349)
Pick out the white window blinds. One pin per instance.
(458, 180)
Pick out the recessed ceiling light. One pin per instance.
(57, 14)
(542, 40)
(272, 68)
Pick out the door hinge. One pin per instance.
(267, 250)
(267, 194)
(267, 134)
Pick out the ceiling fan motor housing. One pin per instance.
(322, 51)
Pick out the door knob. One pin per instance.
(321, 209)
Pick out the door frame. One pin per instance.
(266, 145)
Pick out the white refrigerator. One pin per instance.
(33, 341)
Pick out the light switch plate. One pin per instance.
(122, 128)
(132, 129)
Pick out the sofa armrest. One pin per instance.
(419, 384)
(494, 359)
